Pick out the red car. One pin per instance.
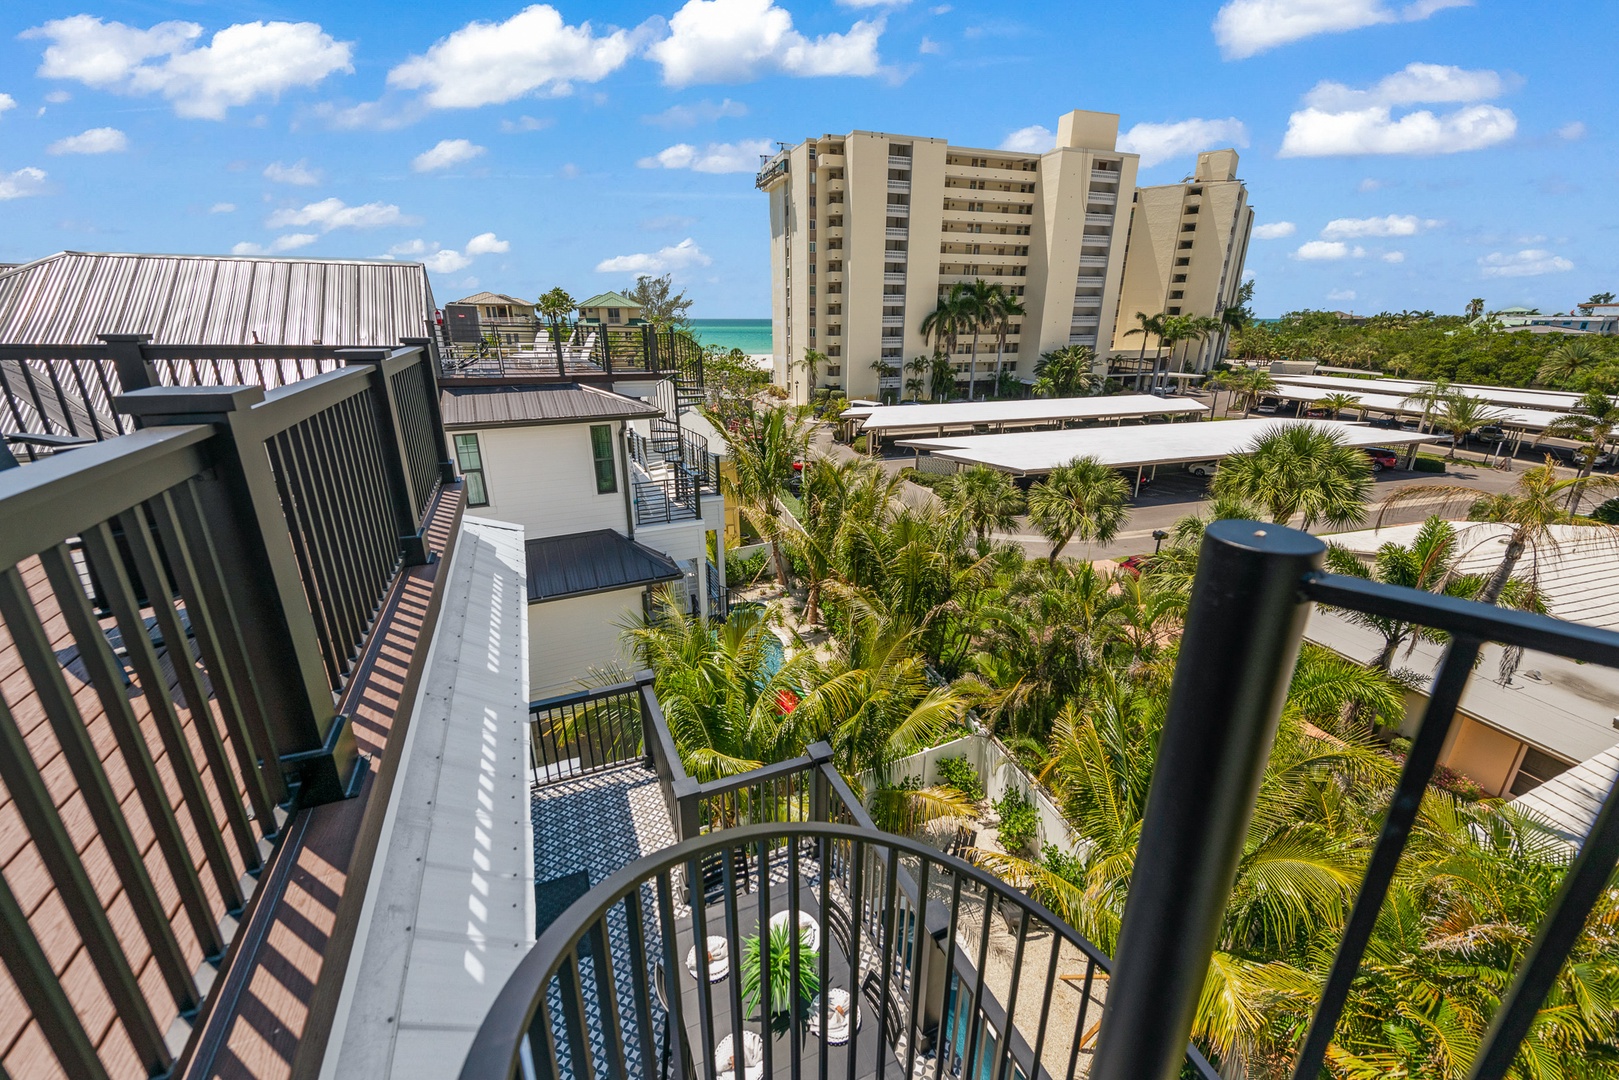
(1382, 457)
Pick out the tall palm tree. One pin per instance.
(944, 325)
(811, 363)
(985, 500)
(1596, 425)
(916, 368)
(1003, 308)
(836, 494)
(1083, 499)
(1536, 502)
(1300, 469)
(1475, 307)
(1236, 316)
(764, 444)
(1430, 398)
(1066, 372)
(1428, 563)
(979, 313)
(1200, 328)
(556, 305)
(1570, 359)
(942, 377)
(1464, 414)
(1147, 325)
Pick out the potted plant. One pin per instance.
(781, 972)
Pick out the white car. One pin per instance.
(1203, 468)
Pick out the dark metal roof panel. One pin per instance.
(71, 297)
(579, 564)
(561, 403)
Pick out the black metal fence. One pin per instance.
(197, 591)
(614, 351)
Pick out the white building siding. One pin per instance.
(544, 479)
(567, 638)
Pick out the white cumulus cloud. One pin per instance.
(1327, 250)
(7, 102)
(240, 64)
(1034, 139)
(1157, 143)
(222, 208)
(929, 47)
(1531, 262)
(1316, 133)
(102, 140)
(534, 51)
(1389, 225)
(732, 41)
(1245, 27)
(1414, 84)
(22, 183)
(703, 112)
(1393, 256)
(329, 214)
(446, 261)
(1574, 129)
(288, 242)
(678, 257)
(445, 153)
(298, 173)
(734, 157)
(487, 244)
(1274, 230)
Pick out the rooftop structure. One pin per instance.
(1398, 404)
(1036, 452)
(1550, 400)
(1001, 415)
(1570, 802)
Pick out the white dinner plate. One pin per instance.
(719, 962)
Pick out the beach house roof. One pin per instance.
(609, 300)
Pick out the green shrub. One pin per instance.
(957, 772)
(747, 569)
(1428, 463)
(1068, 867)
(930, 481)
(859, 444)
(1608, 512)
(1020, 821)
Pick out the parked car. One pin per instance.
(1134, 565)
(1490, 433)
(1316, 414)
(1382, 457)
(1203, 468)
(1268, 406)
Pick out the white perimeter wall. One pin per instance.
(566, 638)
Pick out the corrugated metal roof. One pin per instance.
(609, 299)
(71, 297)
(1575, 570)
(591, 562)
(560, 403)
(1569, 803)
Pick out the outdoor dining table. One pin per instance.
(788, 1042)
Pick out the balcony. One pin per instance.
(896, 256)
(895, 161)
(894, 233)
(1099, 219)
(893, 279)
(899, 187)
(1105, 176)
(835, 186)
(1094, 261)
(893, 320)
(1102, 198)
(894, 210)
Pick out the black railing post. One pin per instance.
(430, 369)
(391, 440)
(821, 754)
(260, 570)
(1243, 630)
(128, 355)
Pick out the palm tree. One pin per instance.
(985, 500)
(884, 368)
(1428, 563)
(1569, 359)
(1475, 308)
(1200, 328)
(556, 305)
(978, 311)
(1430, 398)
(1300, 469)
(1536, 502)
(1337, 403)
(1002, 311)
(944, 325)
(1464, 415)
(1083, 499)
(1066, 372)
(764, 445)
(811, 364)
(1147, 324)
(916, 368)
(836, 494)
(1236, 316)
(1596, 425)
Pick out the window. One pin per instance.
(470, 460)
(601, 448)
(612, 314)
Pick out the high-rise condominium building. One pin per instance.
(1184, 256)
(869, 229)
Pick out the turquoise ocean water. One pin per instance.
(750, 335)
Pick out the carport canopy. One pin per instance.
(890, 419)
(1027, 453)
(1396, 405)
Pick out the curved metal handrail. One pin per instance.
(501, 1048)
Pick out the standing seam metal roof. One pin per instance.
(562, 403)
(579, 564)
(71, 297)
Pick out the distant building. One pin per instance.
(610, 309)
(1185, 253)
(869, 229)
(1587, 319)
(493, 305)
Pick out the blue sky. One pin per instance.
(1399, 155)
